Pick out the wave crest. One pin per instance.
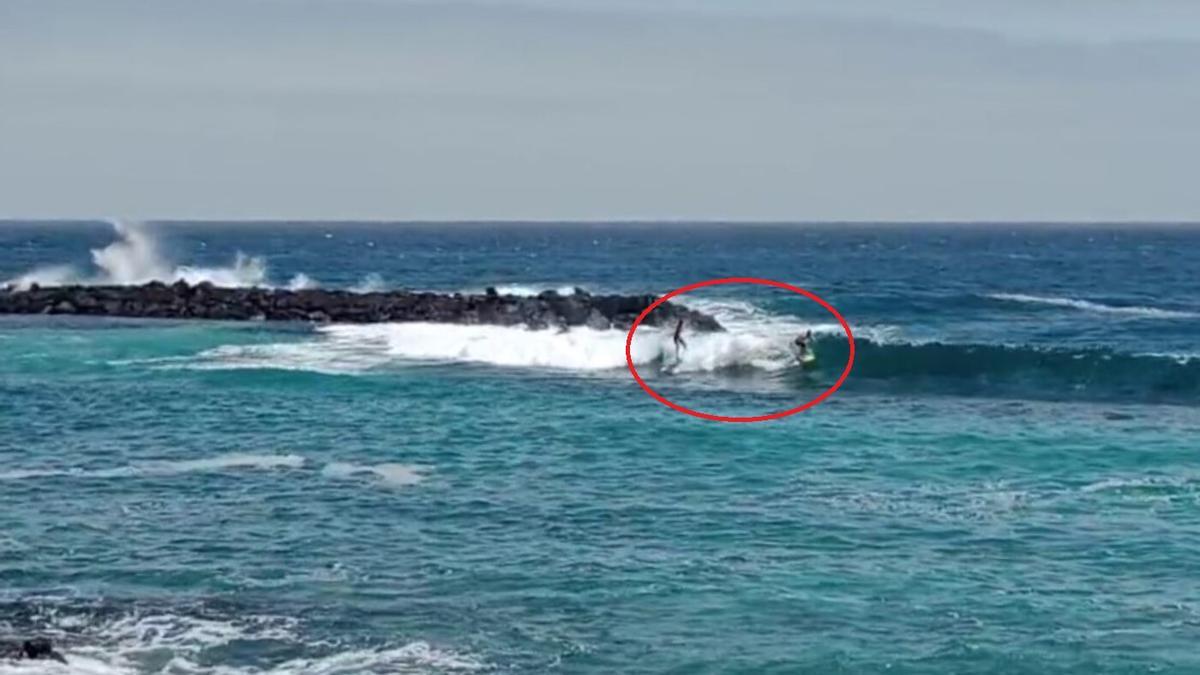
(348, 349)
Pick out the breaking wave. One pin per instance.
(349, 349)
(884, 359)
(1088, 306)
(756, 340)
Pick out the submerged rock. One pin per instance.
(36, 649)
(205, 301)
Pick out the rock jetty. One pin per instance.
(205, 301)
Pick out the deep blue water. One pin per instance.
(1007, 482)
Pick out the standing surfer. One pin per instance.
(679, 338)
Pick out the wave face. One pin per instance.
(1022, 370)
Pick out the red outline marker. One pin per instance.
(739, 280)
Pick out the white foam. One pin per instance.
(1135, 483)
(394, 475)
(414, 657)
(302, 282)
(371, 283)
(1182, 359)
(223, 463)
(755, 339)
(576, 349)
(122, 646)
(1086, 305)
(353, 349)
(389, 474)
(246, 271)
(168, 468)
(47, 275)
(530, 290)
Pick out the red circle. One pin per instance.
(740, 280)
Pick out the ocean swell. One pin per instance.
(1131, 311)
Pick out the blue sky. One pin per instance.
(580, 109)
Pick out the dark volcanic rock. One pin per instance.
(205, 301)
(37, 649)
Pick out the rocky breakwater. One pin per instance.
(205, 301)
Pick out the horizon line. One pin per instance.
(583, 221)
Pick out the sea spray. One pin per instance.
(134, 259)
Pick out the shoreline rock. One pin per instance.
(180, 300)
(35, 649)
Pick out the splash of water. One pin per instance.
(134, 259)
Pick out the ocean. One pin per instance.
(1007, 482)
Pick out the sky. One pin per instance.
(794, 110)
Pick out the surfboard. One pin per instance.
(807, 360)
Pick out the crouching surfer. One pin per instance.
(803, 348)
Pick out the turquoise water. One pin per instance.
(1007, 483)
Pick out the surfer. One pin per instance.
(802, 345)
(679, 342)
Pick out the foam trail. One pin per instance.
(1088, 306)
(394, 475)
(220, 463)
(328, 355)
